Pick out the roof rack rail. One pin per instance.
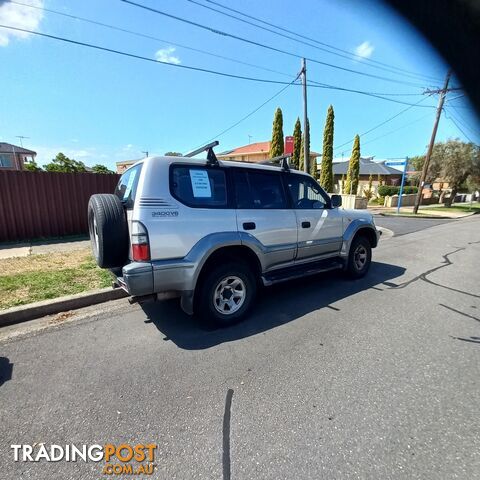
(211, 157)
(281, 160)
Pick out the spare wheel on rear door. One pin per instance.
(108, 228)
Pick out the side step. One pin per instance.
(303, 270)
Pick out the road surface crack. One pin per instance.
(423, 276)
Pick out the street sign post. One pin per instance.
(399, 163)
(289, 144)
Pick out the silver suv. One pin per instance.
(213, 232)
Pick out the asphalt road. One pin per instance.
(370, 379)
(404, 225)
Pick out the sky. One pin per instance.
(100, 107)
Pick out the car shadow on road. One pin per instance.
(6, 369)
(274, 306)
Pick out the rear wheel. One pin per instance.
(107, 225)
(359, 258)
(225, 294)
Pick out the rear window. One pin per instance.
(259, 190)
(199, 187)
(127, 185)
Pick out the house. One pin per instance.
(122, 166)
(13, 157)
(254, 153)
(389, 175)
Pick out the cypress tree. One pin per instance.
(351, 185)
(297, 143)
(277, 143)
(326, 172)
(302, 162)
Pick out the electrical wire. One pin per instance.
(396, 130)
(150, 37)
(384, 122)
(353, 55)
(458, 126)
(183, 66)
(231, 127)
(276, 32)
(262, 45)
(460, 120)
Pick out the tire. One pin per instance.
(108, 228)
(213, 302)
(359, 257)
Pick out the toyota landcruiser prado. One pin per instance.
(213, 232)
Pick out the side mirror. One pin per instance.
(336, 201)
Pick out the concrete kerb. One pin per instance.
(63, 304)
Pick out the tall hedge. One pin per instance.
(297, 143)
(302, 160)
(326, 172)
(277, 143)
(351, 185)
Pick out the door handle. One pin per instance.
(306, 225)
(249, 226)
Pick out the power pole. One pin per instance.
(306, 150)
(443, 92)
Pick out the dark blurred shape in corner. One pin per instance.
(453, 27)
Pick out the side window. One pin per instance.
(259, 190)
(305, 193)
(127, 185)
(198, 186)
(6, 160)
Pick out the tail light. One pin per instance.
(140, 244)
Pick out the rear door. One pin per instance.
(263, 212)
(319, 226)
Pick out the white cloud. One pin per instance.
(165, 55)
(364, 50)
(20, 17)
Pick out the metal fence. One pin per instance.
(47, 204)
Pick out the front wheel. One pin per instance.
(225, 294)
(359, 258)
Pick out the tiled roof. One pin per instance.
(252, 148)
(367, 167)
(9, 148)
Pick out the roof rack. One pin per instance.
(211, 157)
(281, 160)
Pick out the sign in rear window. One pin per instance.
(200, 184)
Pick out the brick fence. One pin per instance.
(47, 204)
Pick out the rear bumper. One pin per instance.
(147, 278)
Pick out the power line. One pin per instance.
(383, 122)
(140, 57)
(458, 126)
(276, 32)
(463, 121)
(313, 83)
(396, 130)
(262, 45)
(113, 27)
(459, 120)
(183, 66)
(248, 115)
(150, 37)
(351, 55)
